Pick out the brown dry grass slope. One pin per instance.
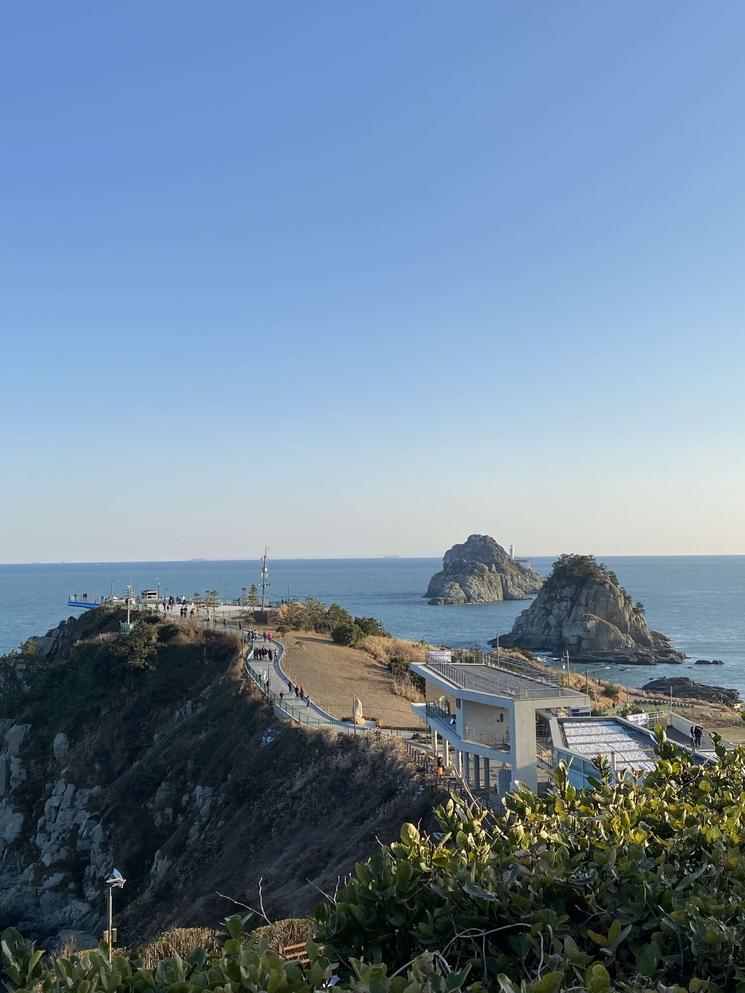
(334, 675)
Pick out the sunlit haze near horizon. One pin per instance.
(364, 279)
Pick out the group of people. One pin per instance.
(697, 733)
(253, 635)
(299, 692)
(265, 652)
(169, 605)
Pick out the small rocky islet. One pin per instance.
(583, 609)
(683, 688)
(480, 571)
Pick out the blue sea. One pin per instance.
(699, 602)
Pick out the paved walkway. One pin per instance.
(273, 680)
(273, 677)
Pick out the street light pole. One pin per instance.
(600, 668)
(118, 880)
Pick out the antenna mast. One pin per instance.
(264, 575)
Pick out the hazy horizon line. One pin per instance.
(366, 558)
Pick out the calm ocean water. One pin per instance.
(697, 601)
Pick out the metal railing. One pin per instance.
(501, 681)
(436, 710)
(301, 713)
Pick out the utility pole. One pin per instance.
(264, 575)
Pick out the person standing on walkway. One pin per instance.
(281, 695)
(307, 701)
(289, 683)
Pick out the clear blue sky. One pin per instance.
(365, 278)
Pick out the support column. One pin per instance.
(523, 744)
(487, 775)
(446, 755)
(477, 772)
(459, 759)
(467, 772)
(435, 742)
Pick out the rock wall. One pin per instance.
(583, 608)
(157, 760)
(481, 571)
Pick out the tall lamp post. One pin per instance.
(115, 880)
(626, 669)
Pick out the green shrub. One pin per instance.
(592, 887)
(233, 966)
(346, 634)
(371, 626)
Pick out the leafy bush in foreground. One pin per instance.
(631, 882)
(236, 966)
(629, 887)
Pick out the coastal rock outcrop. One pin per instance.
(151, 751)
(684, 688)
(481, 571)
(582, 608)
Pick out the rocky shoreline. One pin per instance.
(683, 688)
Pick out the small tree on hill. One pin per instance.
(346, 634)
(371, 625)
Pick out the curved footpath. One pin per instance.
(273, 680)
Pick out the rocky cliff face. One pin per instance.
(150, 752)
(583, 608)
(481, 571)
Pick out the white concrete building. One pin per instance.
(483, 718)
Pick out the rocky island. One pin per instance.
(582, 608)
(481, 571)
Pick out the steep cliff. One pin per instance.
(153, 753)
(583, 608)
(481, 571)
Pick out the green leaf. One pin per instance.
(506, 985)
(550, 983)
(647, 958)
(597, 978)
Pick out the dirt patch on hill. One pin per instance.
(334, 675)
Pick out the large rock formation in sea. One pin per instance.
(481, 571)
(583, 608)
